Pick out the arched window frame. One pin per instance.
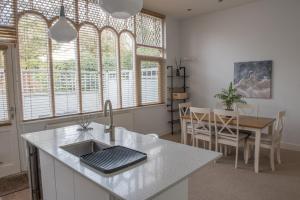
(132, 36)
(98, 52)
(118, 33)
(117, 48)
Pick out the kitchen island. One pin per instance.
(62, 176)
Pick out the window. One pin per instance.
(60, 79)
(3, 87)
(148, 51)
(127, 70)
(34, 67)
(90, 69)
(150, 82)
(109, 50)
(66, 91)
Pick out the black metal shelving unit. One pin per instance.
(171, 89)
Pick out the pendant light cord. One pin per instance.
(62, 9)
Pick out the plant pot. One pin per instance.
(228, 110)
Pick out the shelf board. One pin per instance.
(179, 87)
(169, 99)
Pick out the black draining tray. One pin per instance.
(112, 159)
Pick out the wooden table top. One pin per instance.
(245, 121)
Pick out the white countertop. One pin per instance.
(167, 162)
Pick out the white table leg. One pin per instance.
(257, 150)
(183, 131)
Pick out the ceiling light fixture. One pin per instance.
(62, 31)
(121, 9)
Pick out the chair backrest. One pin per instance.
(226, 123)
(184, 109)
(246, 109)
(278, 128)
(201, 120)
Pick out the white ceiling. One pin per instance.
(178, 8)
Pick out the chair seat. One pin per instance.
(265, 138)
(189, 128)
(203, 131)
(242, 136)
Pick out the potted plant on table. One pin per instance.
(229, 97)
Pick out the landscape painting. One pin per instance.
(253, 79)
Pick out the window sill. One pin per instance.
(76, 117)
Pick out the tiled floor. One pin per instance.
(21, 195)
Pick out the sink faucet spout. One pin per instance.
(108, 110)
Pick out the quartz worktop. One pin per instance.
(167, 162)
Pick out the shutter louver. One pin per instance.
(7, 21)
(90, 69)
(3, 87)
(60, 79)
(127, 70)
(65, 75)
(110, 69)
(34, 67)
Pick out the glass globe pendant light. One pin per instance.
(121, 9)
(62, 31)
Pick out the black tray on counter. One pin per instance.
(112, 159)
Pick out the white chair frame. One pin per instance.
(201, 130)
(243, 108)
(273, 141)
(226, 133)
(184, 110)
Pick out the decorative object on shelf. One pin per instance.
(121, 9)
(62, 31)
(229, 97)
(178, 65)
(84, 122)
(253, 79)
(176, 94)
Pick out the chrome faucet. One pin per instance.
(111, 128)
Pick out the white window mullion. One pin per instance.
(51, 77)
(119, 74)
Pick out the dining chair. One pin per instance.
(184, 110)
(201, 130)
(227, 131)
(246, 109)
(270, 141)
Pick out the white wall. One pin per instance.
(263, 30)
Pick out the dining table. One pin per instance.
(254, 124)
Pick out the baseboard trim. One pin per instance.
(289, 146)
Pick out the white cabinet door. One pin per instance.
(87, 190)
(48, 176)
(61, 183)
(64, 178)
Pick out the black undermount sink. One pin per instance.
(105, 158)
